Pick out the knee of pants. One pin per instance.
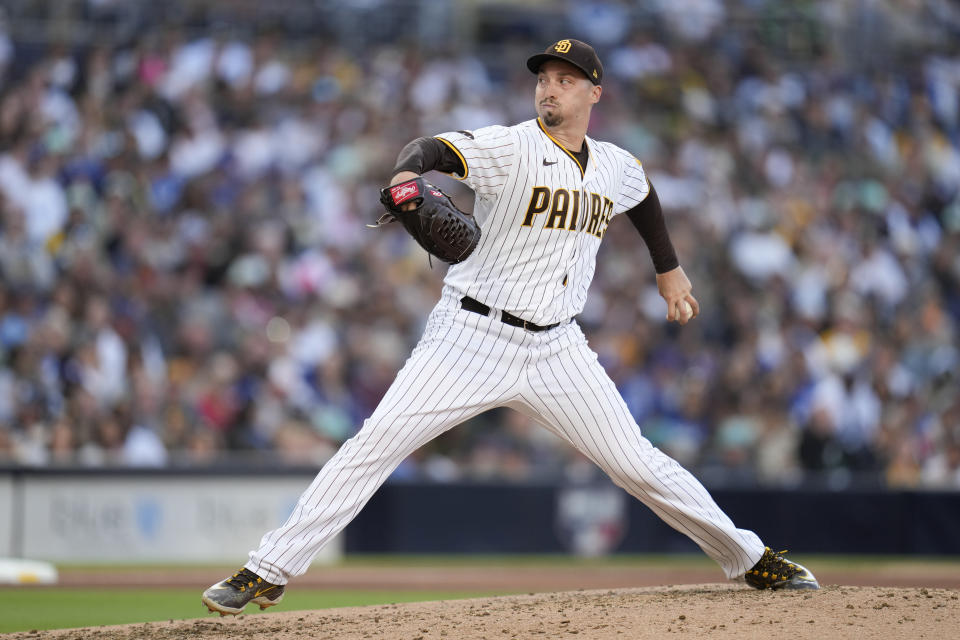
(381, 437)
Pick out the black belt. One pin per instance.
(469, 304)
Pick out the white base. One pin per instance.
(15, 571)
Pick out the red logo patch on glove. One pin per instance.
(404, 191)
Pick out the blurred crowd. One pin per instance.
(187, 277)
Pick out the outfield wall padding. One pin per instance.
(212, 516)
(488, 518)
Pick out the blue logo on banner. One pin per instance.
(149, 515)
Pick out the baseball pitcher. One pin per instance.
(504, 332)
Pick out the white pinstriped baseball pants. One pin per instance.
(465, 364)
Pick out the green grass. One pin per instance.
(524, 560)
(557, 560)
(450, 560)
(24, 609)
(684, 560)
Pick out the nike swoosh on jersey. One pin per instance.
(547, 164)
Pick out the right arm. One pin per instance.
(639, 200)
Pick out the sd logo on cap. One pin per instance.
(577, 53)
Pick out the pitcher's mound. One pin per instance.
(691, 611)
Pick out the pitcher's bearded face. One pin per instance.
(564, 93)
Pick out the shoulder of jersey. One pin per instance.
(482, 132)
(627, 158)
(527, 127)
(613, 150)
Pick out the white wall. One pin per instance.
(6, 515)
(113, 518)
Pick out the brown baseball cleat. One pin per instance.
(773, 571)
(230, 596)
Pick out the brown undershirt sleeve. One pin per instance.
(647, 217)
(428, 154)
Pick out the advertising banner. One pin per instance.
(155, 518)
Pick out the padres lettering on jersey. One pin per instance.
(542, 216)
(562, 202)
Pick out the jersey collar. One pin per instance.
(563, 148)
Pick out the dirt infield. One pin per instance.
(879, 599)
(694, 611)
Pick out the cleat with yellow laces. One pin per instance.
(773, 571)
(233, 594)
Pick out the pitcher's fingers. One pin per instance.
(672, 311)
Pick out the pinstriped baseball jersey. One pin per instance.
(542, 216)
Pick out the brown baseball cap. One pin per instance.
(577, 53)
